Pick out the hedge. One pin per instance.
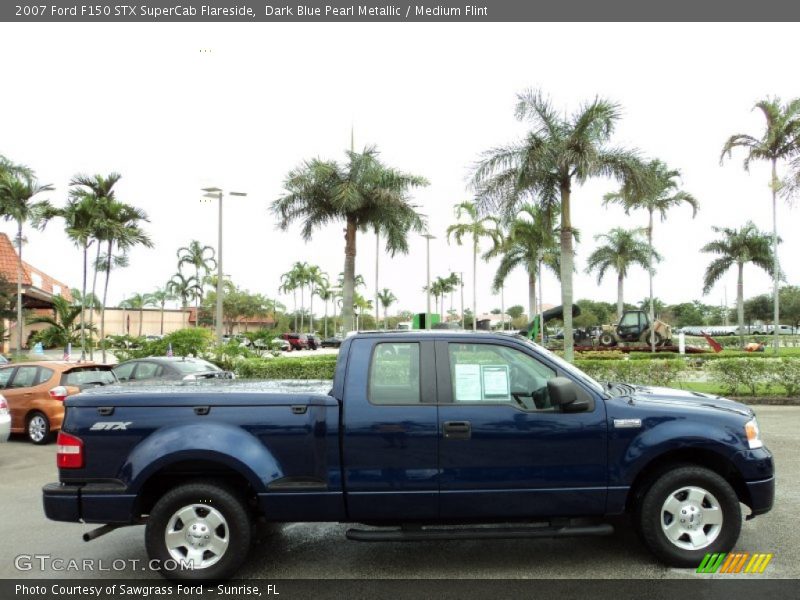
(738, 375)
(316, 367)
(650, 372)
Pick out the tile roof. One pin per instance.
(31, 276)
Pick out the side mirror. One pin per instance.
(564, 394)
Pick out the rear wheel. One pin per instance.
(38, 429)
(687, 513)
(199, 531)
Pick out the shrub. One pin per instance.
(745, 374)
(642, 372)
(316, 367)
(194, 341)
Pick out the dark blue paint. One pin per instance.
(379, 463)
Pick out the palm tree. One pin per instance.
(326, 294)
(202, 258)
(531, 238)
(139, 302)
(185, 289)
(290, 283)
(63, 330)
(475, 228)
(386, 298)
(18, 186)
(738, 247)
(558, 152)
(159, 298)
(315, 278)
(360, 305)
(119, 225)
(364, 193)
(656, 191)
(623, 248)
(91, 300)
(779, 141)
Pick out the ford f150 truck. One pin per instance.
(423, 435)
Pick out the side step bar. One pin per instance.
(475, 533)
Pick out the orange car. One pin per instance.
(35, 392)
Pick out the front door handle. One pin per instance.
(457, 430)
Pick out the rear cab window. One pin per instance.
(188, 367)
(394, 375)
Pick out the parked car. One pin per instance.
(3, 360)
(297, 341)
(5, 420)
(273, 344)
(35, 393)
(243, 341)
(169, 368)
(313, 341)
(281, 345)
(331, 342)
(485, 436)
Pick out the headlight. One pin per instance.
(753, 434)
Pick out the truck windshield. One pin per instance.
(568, 367)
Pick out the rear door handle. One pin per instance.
(457, 430)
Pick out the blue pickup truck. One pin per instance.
(423, 436)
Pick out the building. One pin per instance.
(38, 290)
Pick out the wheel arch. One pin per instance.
(700, 457)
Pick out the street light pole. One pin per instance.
(428, 237)
(214, 192)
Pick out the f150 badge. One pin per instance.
(110, 426)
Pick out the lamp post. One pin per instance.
(540, 257)
(215, 192)
(428, 237)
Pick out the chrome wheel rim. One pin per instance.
(37, 427)
(691, 518)
(197, 534)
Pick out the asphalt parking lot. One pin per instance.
(306, 550)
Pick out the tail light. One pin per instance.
(69, 451)
(3, 405)
(59, 393)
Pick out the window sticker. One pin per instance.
(495, 381)
(468, 383)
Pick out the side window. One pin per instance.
(630, 319)
(123, 372)
(146, 370)
(492, 373)
(5, 375)
(24, 377)
(44, 375)
(394, 374)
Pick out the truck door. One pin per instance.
(505, 450)
(390, 430)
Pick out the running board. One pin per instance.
(475, 533)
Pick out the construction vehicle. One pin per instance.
(634, 327)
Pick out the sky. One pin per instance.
(178, 107)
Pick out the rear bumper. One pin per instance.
(90, 503)
(762, 496)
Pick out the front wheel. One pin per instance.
(198, 531)
(606, 339)
(687, 513)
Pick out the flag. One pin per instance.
(169, 349)
(67, 351)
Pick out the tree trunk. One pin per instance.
(775, 262)
(652, 312)
(620, 296)
(349, 274)
(311, 309)
(740, 302)
(105, 299)
(474, 284)
(198, 298)
(83, 299)
(326, 318)
(162, 319)
(94, 291)
(377, 257)
(531, 291)
(20, 326)
(302, 306)
(141, 317)
(294, 307)
(567, 260)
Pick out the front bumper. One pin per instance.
(89, 503)
(762, 496)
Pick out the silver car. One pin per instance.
(5, 420)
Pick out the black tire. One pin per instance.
(236, 529)
(37, 428)
(606, 339)
(652, 514)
